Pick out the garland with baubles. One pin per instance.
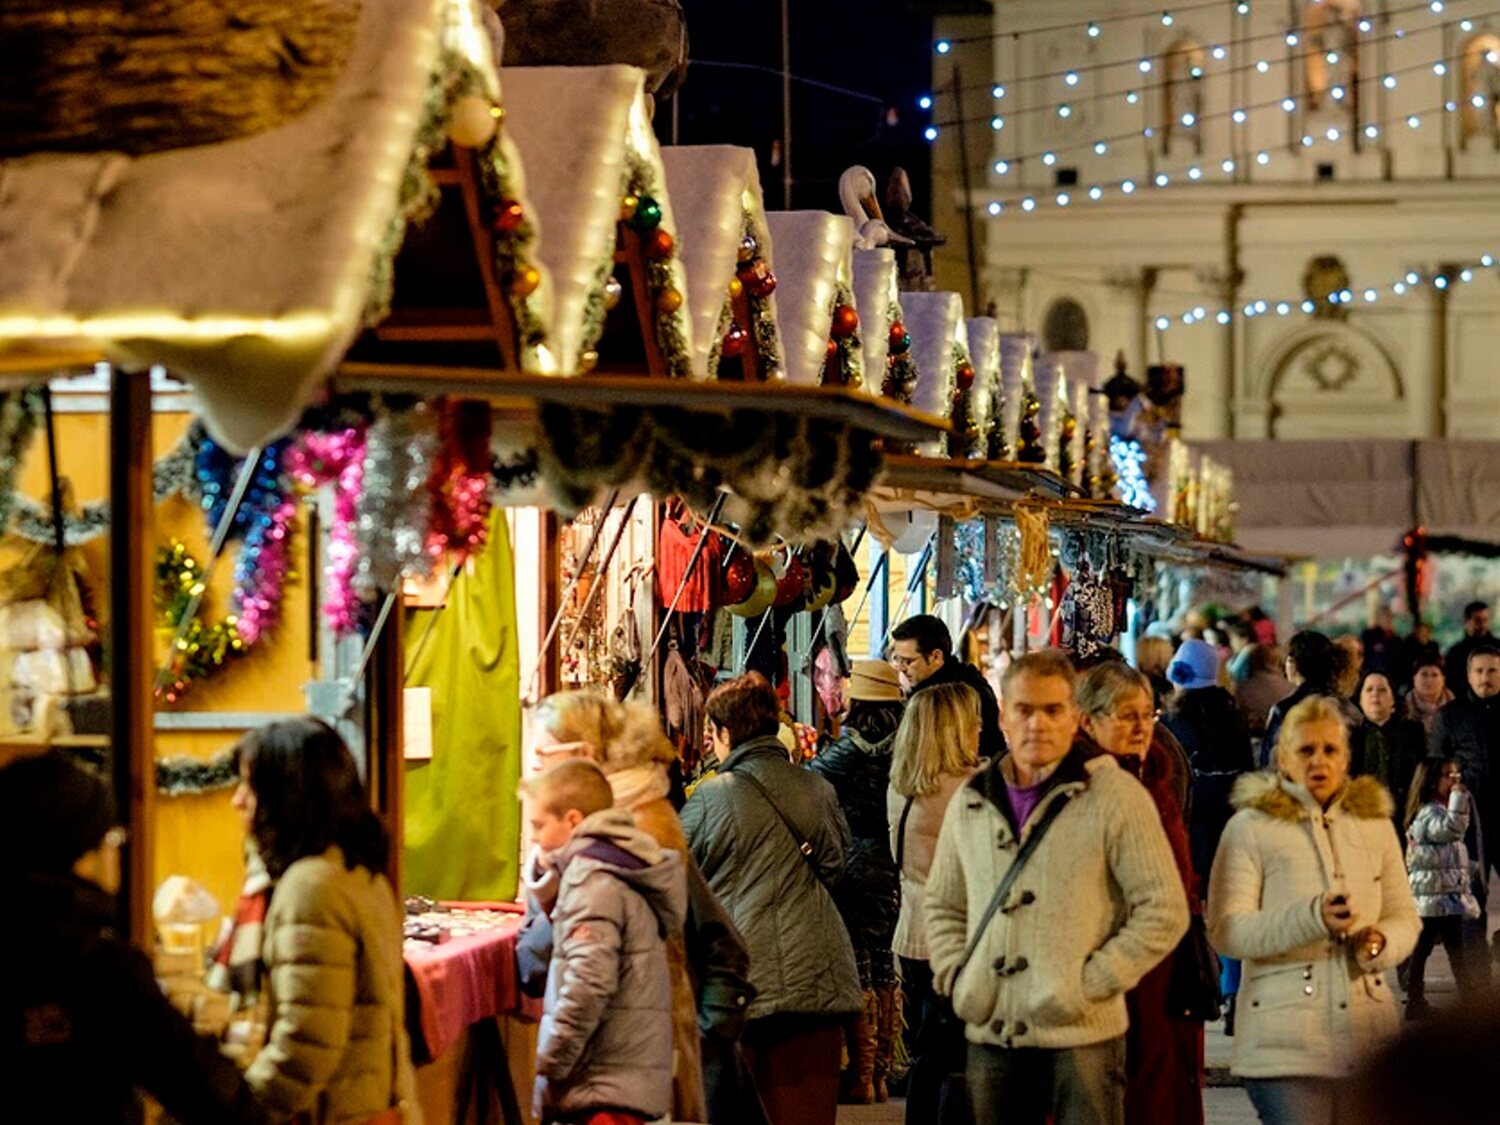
(900, 372)
(843, 365)
(963, 437)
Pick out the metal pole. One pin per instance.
(875, 572)
(823, 624)
(666, 619)
(755, 640)
(963, 175)
(786, 105)
(919, 575)
(370, 642)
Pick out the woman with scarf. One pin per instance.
(709, 961)
(858, 766)
(1429, 692)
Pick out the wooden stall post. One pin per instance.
(131, 546)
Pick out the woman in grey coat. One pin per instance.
(770, 839)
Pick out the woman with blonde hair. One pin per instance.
(627, 741)
(1152, 655)
(935, 752)
(1309, 890)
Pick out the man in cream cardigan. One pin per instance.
(1098, 905)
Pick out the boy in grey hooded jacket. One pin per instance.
(605, 1041)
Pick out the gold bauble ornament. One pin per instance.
(524, 282)
(627, 208)
(473, 121)
(669, 301)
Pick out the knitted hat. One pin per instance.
(874, 681)
(52, 813)
(1196, 665)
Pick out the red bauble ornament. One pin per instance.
(757, 277)
(833, 350)
(735, 341)
(965, 377)
(897, 337)
(659, 244)
(508, 218)
(791, 583)
(845, 321)
(739, 578)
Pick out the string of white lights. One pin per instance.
(1370, 130)
(1458, 273)
(1288, 101)
(1072, 76)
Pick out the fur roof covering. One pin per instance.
(1266, 791)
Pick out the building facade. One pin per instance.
(1299, 202)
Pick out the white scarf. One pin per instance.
(635, 786)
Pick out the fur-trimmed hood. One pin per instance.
(1268, 792)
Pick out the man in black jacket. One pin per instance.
(1476, 633)
(1468, 729)
(922, 652)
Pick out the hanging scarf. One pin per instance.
(237, 967)
(634, 786)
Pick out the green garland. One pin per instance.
(963, 438)
(203, 650)
(181, 776)
(901, 373)
(19, 413)
(848, 354)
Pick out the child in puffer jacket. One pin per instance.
(1442, 877)
(604, 1048)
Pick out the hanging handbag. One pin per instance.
(1193, 992)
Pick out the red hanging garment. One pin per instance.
(674, 548)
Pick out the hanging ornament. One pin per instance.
(735, 341)
(509, 217)
(524, 282)
(964, 376)
(395, 508)
(627, 208)
(898, 341)
(832, 353)
(659, 245)
(736, 288)
(473, 121)
(203, 650)
(748, 248)
(647, 215)
(758, 278)
(613, 291)
(460, 481)
(845, 321)
(337, 458)
(668, 301)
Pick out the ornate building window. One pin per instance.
(1182, 96)
(1065, 328)
(1330, 62)
(1481, 86)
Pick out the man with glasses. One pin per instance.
(922, 653)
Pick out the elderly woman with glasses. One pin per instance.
(1310, 892)
(1163, 1053)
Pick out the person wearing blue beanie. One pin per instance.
(1195, 666)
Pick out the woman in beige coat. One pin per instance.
(1310, 892)
(336, 1052)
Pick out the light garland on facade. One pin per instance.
(1129, 460)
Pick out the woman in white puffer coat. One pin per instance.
(1309, 891)
(1442, 877)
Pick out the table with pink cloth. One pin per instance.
(467, 979)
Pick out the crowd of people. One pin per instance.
(1015, 907)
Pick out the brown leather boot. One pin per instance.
(887, 1027)
(859, 1079)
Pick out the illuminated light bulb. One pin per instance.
(1049, 158)
(1413, 278)
(1065, 110)
(1187, 318)
(998, 123)
(1195, 173)
(1145, 66)
(1002, 167)
(995, 208)
(1219, 54)
(997, 92)
(1307, 141)
(1262, 158)
(1487, 261)
(1400, 33)
(1288, 104)
(1028, 204)
(1262, 66)
(1162, 323)
(1333, 134)
(930, 132)
(1161, 179)
(1399, 288)
(1132, 97)
(1071, 78)
(1239, 116)
(1223, 318)
(1332, 57)
(1062, 199)
(1100, 148)
(1199, 313)
(1466, 25)
(1466, 276)
(1096, 193)
(1243, 7)
(1228, 166)
(1148, 132)
(1195, 72)
(924, 102)
(1346, 295)
(1337, 93)
(1436, 6)
(1366, 26)
(1370, 294)
(1389, 81)
(1372, 131)
(1451, 107)
(1477, 101)
(1309, 307)
(1414, 121)
(1189, 120)
(1335, 298)
(1291, 39)
(1093, 31)
(943, 46)
(1439, 68)
(1166, 19)
(1261, 306)
(1128, 187)
(1283, 309)
(1440, 281)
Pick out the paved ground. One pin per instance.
(1223, 1105)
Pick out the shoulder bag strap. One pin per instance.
(1003, 890)
(901, 836)
(804, 845)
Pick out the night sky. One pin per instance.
(881, 48)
